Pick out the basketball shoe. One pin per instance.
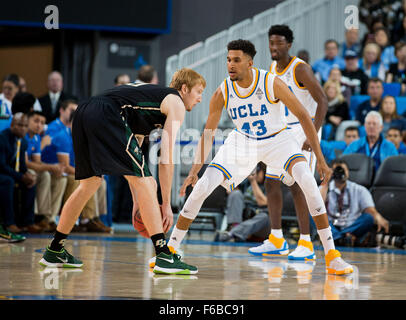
(271, 246)
(171, 264)
(10, 237)
(336, 265)
(151, 262)
(303, 251)
(61, 259)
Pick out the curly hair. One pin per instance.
(244, 45)
(281, 30)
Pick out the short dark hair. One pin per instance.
(67, 102)
(146, 73)
(244, 45)
(36, 113)
(395, 128)
(351, 128)
(331, 41)
(22, 102)
(338, 161)
(14, 78)
(375, 79)
(281, 30)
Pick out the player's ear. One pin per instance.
(184, 89)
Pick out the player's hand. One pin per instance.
(167, 217)
(306, 146)
(324, 171)
(190, 180)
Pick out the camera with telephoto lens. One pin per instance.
(339, 173)
(388, 240)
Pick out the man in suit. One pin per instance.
(50, 103)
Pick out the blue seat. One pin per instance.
(355, 101)
(401, 105)
(392, 89)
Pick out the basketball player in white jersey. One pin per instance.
(299, 77)
(255, 100)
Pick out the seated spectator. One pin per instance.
(337, 106)
(147, 74)
(351, 42)
(50, 102)
(397, 71)
(20, 183)
(50, 182)
(304, 55)
(23, 88)
(375, 92)
(336, 76)
(23, 102)
(371, 63)
(9, 90)
(394, 135)
(374, 145)
(323, 66)
(121, 79)
(388, 51)
(390, 116)
(352, 76)
(253, 200)
(350, 135)
(350, 208)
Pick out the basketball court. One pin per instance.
(116, 267)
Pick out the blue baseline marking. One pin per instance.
(212, 243)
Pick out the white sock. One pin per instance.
(277, 233)
(326, 238)
(176, 237)
(305, 237)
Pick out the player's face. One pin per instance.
(278, 46)
(238, 64)
(193, 97)
(36, 124)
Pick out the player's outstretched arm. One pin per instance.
(206, 140)
(283, 93)
(174, 109)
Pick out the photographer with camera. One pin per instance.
(350, 208)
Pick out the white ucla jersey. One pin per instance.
(301, 93)
(254, 110)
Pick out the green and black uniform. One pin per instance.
(104, 129)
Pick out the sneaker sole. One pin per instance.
(309, 257)
(160, 270)
(271, 253)
(45, 263)
(340, 272)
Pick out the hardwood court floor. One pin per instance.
(115, 267)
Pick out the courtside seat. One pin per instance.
(360, 167)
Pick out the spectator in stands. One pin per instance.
(323, 66)
(352, 75)
(375, 92)
(390, 116)
(333, 149)
(253, 200)
(397, 71)
(399, 32)
(336, 76)
(50, 182)
(337, 106)
(304, 55)
(351, 134)
(9, 90)
(147, 74)
(372, 11)
(50, 102)
(23, 88)
(23, 102)
(122, 78)
(388, 51)
(394, 135)
(371, 63)
(21, 183)
(374, 145)
(350, 208)
(351, 42)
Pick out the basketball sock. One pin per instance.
(277, 233)
(326, 238)
(58, 242)
(159, 242)
(176, 238)
(305, 237)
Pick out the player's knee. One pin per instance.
(201, 188)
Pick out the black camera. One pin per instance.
(339, 174)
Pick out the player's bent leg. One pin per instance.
(70, 213)
(300, 171)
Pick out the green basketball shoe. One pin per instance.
(10, 237)
(171, 264)
(61, 259)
